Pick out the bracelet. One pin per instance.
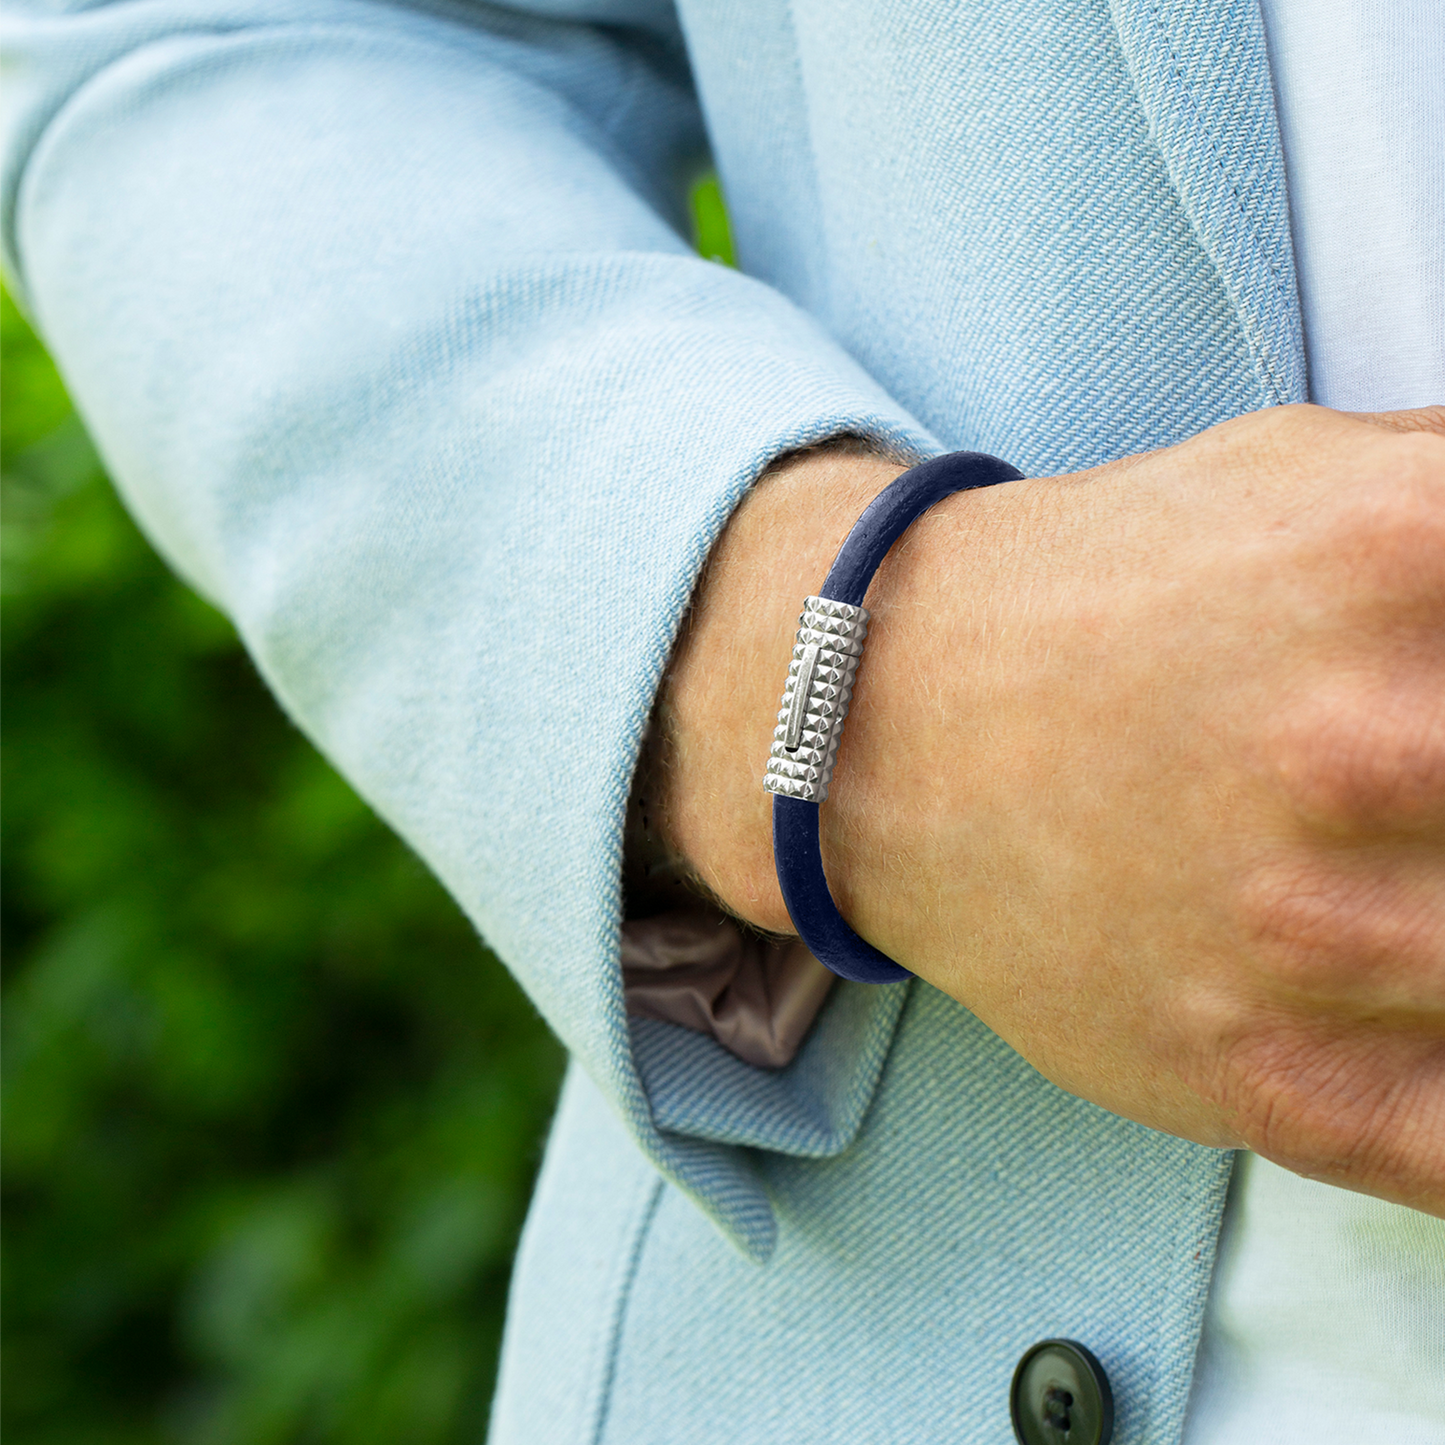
(825, 661)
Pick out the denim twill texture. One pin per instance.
(383, 319)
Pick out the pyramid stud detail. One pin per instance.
(819, 688)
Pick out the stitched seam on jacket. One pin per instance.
(1246, 215)
(642, 1229)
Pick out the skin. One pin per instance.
(1145, 766)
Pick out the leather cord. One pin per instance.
(796, 849)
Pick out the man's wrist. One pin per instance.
(717, 708)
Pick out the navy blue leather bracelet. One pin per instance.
(826, 653)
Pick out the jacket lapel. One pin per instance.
(1202, 75)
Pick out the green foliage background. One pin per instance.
(272, 1112)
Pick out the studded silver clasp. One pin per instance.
(826, 652)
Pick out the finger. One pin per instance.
(1359, 757)
(1339, 1101)
(1417, 419)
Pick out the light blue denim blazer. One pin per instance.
(385, 319)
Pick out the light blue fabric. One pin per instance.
(382, 318)
(979, 1211)
(1360, 90)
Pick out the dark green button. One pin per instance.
(1061, 1396)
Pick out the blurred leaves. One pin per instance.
(272, 1112)
(712, 233)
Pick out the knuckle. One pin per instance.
(1394, 524)
(1321, 931)
(1292, 916)
(1361, 756)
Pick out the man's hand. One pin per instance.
(1146, 766)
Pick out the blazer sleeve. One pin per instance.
(384, 321)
